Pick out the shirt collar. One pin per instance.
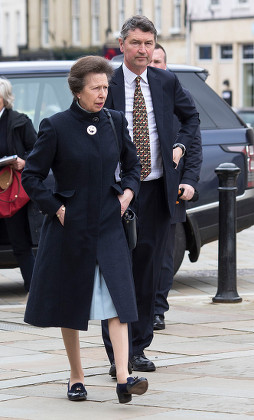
(129, 76)
(1, 112)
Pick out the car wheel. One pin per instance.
(180, 246)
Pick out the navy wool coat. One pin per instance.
(83, 165)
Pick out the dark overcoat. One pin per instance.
(21, 137)
(83, 165)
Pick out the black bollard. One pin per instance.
(227, 293)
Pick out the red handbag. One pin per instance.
(12, 194)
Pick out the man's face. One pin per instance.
(158, 59)
(138, 49)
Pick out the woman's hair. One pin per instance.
(84, 66)
(137, 22)
(6, 92)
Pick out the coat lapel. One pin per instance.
(117, 90)
(157, 99)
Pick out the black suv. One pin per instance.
(41, 89)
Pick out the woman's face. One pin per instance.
(1, 103)
(93, 95)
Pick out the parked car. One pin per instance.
(246, 114)
(41, 89)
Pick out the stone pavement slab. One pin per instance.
(204, 357)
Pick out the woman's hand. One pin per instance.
(18, 164)
(61, 214)
(125, 199)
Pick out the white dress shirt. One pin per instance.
(2, 111)
(130, 84)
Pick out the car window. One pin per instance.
(40, 97)
(214, 113)
(247, 116)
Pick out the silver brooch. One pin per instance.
(91, 129)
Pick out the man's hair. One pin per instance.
(160, 47)
(85, 66)
(137, 22)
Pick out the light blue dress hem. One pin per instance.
(102, 306)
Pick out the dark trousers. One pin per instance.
(166, 275)
(153, 224)
(19, 236)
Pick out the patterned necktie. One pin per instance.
(141, 131)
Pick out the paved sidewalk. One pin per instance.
(204, 357)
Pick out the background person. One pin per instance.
(83, 268)
(161, 97)
(17, 137)
(189, 167)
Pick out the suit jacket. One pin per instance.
(168, 99)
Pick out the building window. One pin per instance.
(139, 7)
(157, 16)
(205, 52)
(248, 51)
(45, 22)
(121, 14)
(248, 75)
(7, 46)
(95, 22)
(177, 14)
(176, 24)
(18, 28)
(76, 22)
(226, 52)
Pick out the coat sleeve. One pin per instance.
(130, 164)
(193, 162)
(194, 157)
(29, 137)
(37, 168)
(187, 114)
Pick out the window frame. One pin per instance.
(220, 52)
(204, 46)
(75, 19)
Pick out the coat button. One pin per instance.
(95, 119)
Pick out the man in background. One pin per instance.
(190, 167)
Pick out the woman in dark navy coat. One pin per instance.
(83, 267)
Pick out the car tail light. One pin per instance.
(248, 151)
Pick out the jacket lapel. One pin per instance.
(157, 99)
(118, 90)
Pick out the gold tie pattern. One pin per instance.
(141, 131)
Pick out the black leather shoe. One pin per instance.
(136, 386)
(142, 364)
(112, 370)
(158, 322)
(77, 392)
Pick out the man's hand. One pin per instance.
(188, 192)
(177, 154)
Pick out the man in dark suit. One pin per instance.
(190, 167)
(155, 204)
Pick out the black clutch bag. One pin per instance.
(129, 217)
(129, 220)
